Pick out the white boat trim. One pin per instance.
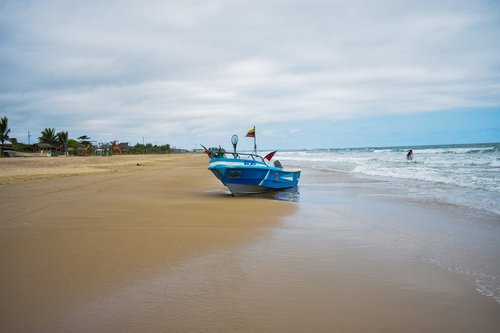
(265, 178)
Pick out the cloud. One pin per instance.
(182, 69)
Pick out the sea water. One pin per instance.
(464, 175)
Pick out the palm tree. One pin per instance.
(4, 132)
(85, 140)
(62, 137)
(48, 136)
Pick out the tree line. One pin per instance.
(81, 146)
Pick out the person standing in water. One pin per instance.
(409, 155)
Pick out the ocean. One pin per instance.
(465, 175)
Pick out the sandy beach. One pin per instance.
(65, 240)
(156, 244)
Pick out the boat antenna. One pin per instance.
(254, 141)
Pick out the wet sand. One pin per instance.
(143, 249)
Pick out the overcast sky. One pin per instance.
(306, 73)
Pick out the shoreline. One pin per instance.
(399, 191)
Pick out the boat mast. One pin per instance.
(254, 141)
(251, 134)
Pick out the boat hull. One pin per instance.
(243, 189)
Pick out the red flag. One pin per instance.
(251, 133)
(270, 155)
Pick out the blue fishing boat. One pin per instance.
(247, 174)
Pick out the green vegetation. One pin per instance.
(62, 137)
(4, 132)
(73, 144)
(150, 149)
(61, 143)
(48, 136)
(85, 140)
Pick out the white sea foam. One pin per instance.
(470, 173)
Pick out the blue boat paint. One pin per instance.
(249, 174)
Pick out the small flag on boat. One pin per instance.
(270, 155)
(251, 133)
